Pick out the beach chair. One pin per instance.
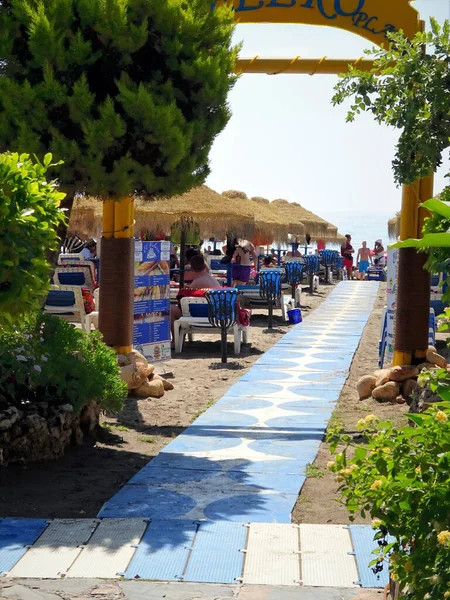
(251, 292)
(78, 260)
(194, 319)
(66, 302)
(81, 276)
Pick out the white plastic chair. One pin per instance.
(188, 325)
(79, 259)
(83, 269)
(74, 313)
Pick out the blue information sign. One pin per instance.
(152, 300)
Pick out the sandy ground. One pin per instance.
(318, 500)
(78, 484)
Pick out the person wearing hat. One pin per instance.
(378, 254)
(90, 250)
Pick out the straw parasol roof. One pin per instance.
(394, 227)
(216, 217)
(315, 226)
(85, 216)
(269, 225)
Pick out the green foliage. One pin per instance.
(29, 214)
(408, 90)
(401, 478)
(436, 236)
(313, 472)
(129, 93)
(49, 360)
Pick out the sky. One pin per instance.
(286, 140)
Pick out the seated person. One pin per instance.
(268, 262)
(188, 275)
(90, 250)
(201, 279)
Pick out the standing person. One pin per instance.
(362, 261)
(229, 249)
(242, 265)
(295, 252)
(347, 252)
(378, 254)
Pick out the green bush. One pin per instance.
(402, 480)
(49, 360)
(29, 215)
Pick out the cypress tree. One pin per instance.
(130, 94)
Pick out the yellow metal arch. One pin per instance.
(307, 66)
(371, 19)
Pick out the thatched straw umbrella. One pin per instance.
(394, 227)
(315, 226)
(85, 216)
(269, 225)
(215, 216)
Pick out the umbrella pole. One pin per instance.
(270, 314)
(224, 343)
(182, 255)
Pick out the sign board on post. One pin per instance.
(152, 300)
(392, 260)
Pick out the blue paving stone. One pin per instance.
(305, 448)
(196, 443)
(159, 475)
(163, 551)
(364, 545)
(303, 422)
(143, 501)
(254, 508)
(247, 388)
(15, 536)
(216, 556)
(285, 483)
(240, 403)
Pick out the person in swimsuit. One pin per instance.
(242, 265)
(347, 252)
(362, 260)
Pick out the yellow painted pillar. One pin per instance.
(123, 228)
(108, 219)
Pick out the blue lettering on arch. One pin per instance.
(278, 4)
(310, 4)
(244, 6)
(342, 13)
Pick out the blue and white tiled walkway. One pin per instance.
(225, 488)
(244, 459)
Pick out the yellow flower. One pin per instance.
(446, 594)
(345, 472)
(441, 417)
(394, 576)
(377, 523)
(444, 537)
(408, 566)
(387, 450)
(435, 579)
(353, 468)
(361, 424)
(418, 470)
(376, 484)
(371, 418)
(330, 465)
(339, 478)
